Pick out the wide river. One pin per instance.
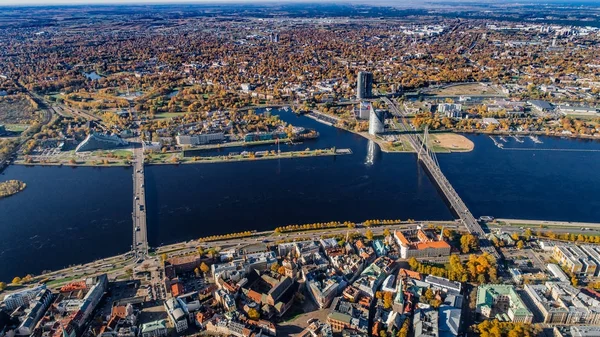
(69, 216)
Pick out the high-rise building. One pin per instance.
(364, 84)
(376, 121)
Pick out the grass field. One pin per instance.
(168, 115)
(468, 89)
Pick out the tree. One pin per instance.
(204, 267)
(468, 243)
(404, 329)
(275, 266)
(2, 286)
(16, 280)
(197, 272)
(369, 235)
(253, 314)
(481, 278)
(429, 295)
(200, 251)
(163, 257)
(520, 244)
(281, 270)
(413, 263)
(527, 234)
(387, 300)
(386, 232)
(383, 333)
(515, 236)
(574, 281)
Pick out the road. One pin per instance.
(140, 236)
(430, 163)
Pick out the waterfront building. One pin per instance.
(34, 312)
(199, 139)
(100, 141)
(376, 121)
(501, 301)
(421, 243)
(17, 299)
(364, 85)
(154, 329)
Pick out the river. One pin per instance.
(68, 216)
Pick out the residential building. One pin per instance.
(364, 85)
(425, 322)
(557, 272)
(17, 299)
(203, 138)
(561, 303)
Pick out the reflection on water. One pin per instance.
(373, 153)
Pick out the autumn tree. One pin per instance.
(204, 268)
(469, 243)
(253, 314)
(387, 300)
(369, 234)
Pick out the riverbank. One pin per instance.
(11, 187)
(174, 159)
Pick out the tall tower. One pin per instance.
(364, 85)
(376, 121)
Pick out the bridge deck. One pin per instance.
(460, 208)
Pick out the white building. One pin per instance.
(17, 299)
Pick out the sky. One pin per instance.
(78, 2)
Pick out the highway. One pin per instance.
(140, 232)
(428, 161)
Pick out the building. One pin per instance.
(561, 303)
(199, 139)
(346, 315)
(364, 85)
(151, 146)
(448, 321)
(575, 259)
(154, 329)
(541, 106)
(177, 313)
(444, 284)
(323, 292)
(557, 272)
(501, 301)
(100, 141)
(34, 312)
(450, 110)
(421, 243)
(425, 323)
(376, 121)
(17, 299)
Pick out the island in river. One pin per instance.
(10, 187)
